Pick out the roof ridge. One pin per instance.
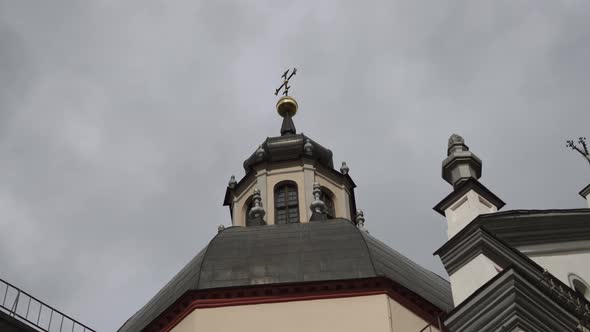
(202, 252)
(367, 248)
(409, 260)
(532, 212)
(205, 256)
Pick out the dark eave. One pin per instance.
(511, 261)
(341, 177)
(288, 292)
(509, 300)
(228, 197)
(526, 227)
(584, 192)
(481, 241)
(471, 184)
(289, 147)
(10, 324)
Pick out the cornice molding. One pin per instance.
(553, 248)
(529, 227)
(471, 184)
(480, 241)
(508, 301)
(509, 259)
(549, 228)
(250, 295)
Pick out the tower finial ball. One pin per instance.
(287, 105)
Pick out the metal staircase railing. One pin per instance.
(27, 309)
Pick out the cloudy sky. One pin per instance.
(121, 123)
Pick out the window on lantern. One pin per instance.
(327, 197)
(286, 203)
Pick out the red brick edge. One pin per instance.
(247, 295)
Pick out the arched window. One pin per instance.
(328, 198)
(580, 286)
(286, 203)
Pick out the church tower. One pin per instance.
(297, 256)
(290, 179)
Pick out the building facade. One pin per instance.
(299, 258)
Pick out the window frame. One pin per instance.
(287, 205)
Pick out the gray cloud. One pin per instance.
(121, 123)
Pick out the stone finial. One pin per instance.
(260, 152)
(317, 205)
(461, 164)
(220, 228)
(359, 219)
(257, 210)
(456, 139)
(232, 182)
(308, 147)
(344, 168)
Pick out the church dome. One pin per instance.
(293, 253)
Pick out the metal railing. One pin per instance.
(27, 309)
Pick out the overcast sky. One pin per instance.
(121, 123)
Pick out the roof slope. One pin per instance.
(394, 266)
(10, 324)
(273, 254)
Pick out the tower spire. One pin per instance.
(287, 105)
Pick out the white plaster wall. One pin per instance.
(404, 320)
(561, 259)
(363, 313)
(461, 213)
(588, 200)
(471, 277)
(341, 195)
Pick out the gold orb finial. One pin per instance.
(287, 105)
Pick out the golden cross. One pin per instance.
(286, 82)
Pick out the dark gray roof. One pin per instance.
(10, 324)
(273, 254)
(289, 147)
